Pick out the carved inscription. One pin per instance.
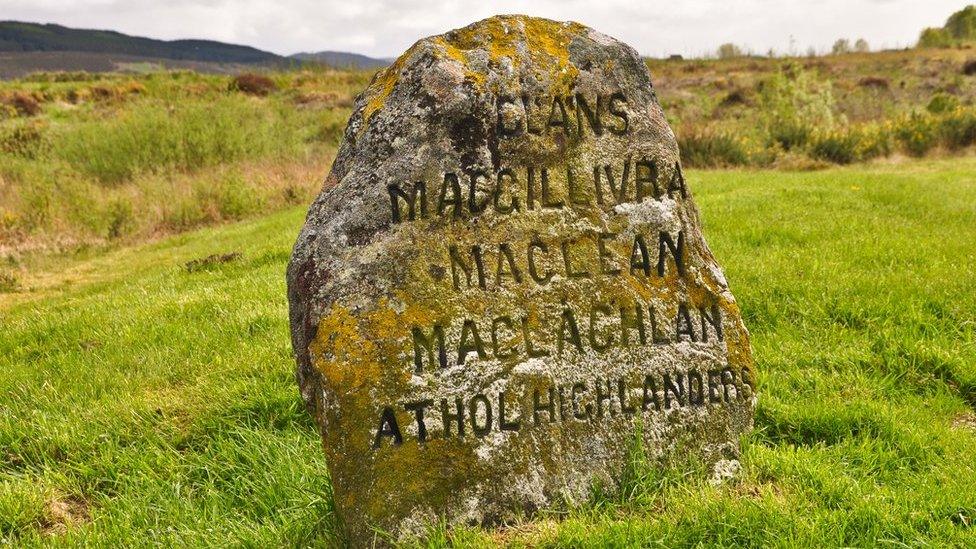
(599, 327)
(538, 261)
(511, 190)
(582, 401)
(574, 114)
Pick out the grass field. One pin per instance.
(148, 404)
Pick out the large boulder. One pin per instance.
(503, 291)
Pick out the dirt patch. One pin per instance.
(63, 513)
(876, 82)
(965, 421)
(253, 84)
(532, 534)
(211, 261)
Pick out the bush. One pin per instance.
(120, 218)
(9, 282)
(24, 140)
(958, 128)
(959, 28)
(935, 38)
(78, 95)
(253, 84)
(734, 97)
(62, 76)
(874, 140)
(233, 198)
(839, 147)
(102, 93)
(708, 149)
(793, 103)
(729, 51)
(878, 82)
(917, 133)
(941, 103)
(24, 104)
(961, 25)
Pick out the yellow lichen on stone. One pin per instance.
(341, 353)
(475, 77)
(522, 40)
(382, 86)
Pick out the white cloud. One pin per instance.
(387, 27)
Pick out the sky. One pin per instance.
(385, 28)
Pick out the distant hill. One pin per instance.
(341, 59)
(32, 37)
(32, 47)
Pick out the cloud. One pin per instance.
(387, 27)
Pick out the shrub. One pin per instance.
(916, 132)
(78, 95)
(734, 97)
(709, 149)
(942, 102)
(9, 282)
(24, 104)
(233, 198)
(102, 93)
(253, 84)
(935, 38)
(120, 218)
(874, 140)
(61, 76)
(878, 82)
(24, 140)
(961, 25)
(839, 147)
(793, 103)
(790, 135)
(969, 67)
(959, 28)
(958, 128)
(131, 88)
(729, 51)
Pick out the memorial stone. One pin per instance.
(503, 286)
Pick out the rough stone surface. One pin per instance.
(552, 263)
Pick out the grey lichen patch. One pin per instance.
(507, 284)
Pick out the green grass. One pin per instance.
(123, 158)
(156, 137)
(157, 406)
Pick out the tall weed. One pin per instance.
(794, 104)
(156, 137)
(710, 149)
